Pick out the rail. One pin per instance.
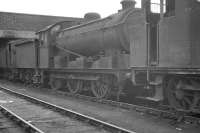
(68, 112)
(177, 114)
(20, 121)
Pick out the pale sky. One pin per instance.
(68, 8)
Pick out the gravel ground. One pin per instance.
(132, 120)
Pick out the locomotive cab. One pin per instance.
(179, 53)
(167, 63)
(179, 28)
(173, 60)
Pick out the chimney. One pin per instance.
(146, 4)
(128, 4)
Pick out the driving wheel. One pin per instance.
(178, 95)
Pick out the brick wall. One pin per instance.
(28, 22)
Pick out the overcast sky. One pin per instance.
(68, 8)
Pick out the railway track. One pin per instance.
(47, 117)
(177, 115)
(175, 118)
(12, 123)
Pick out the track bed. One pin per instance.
(132, 120)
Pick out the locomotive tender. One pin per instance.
(157, 53)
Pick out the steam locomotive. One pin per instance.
(134, 53)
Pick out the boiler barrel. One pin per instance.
(89, 39)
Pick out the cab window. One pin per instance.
(156, 6)
(170, 8)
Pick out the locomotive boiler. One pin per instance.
(93, 37)
(108, 38)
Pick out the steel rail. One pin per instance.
(173, 113)
(20, 121)
(71, 113)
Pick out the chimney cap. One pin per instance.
(127, 4)
(92, 16)
(128, 1)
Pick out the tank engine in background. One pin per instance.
(134, 52)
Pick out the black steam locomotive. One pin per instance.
(135, 52)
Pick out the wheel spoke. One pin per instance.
(74, 86)
(100, 89)
(187, 101)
